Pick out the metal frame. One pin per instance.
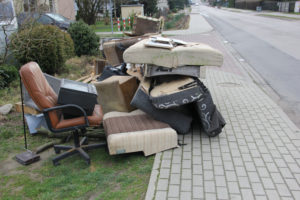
(79, 146)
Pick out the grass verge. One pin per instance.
(278, 17)
(177, 22)
(108, 177)
(101, 26)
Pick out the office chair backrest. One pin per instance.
(39, 89)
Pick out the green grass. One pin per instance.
(173, 20)
(10, 94)
(231, 10)
(293, 13)
(279, 17)
(100, 26)
(108, 177)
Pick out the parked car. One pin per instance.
(44, 18)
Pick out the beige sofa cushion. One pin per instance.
(189, 54)
(137, 131)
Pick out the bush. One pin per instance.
(45, 44)
(172, 20)
(8, 74)
(85, 39)
(231, 4)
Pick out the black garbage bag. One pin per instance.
(109, 71)
(210, 118)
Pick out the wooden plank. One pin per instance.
(27, 109)
(88, 79)
(83, 78)
(99, 65)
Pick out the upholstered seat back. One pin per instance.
(39, 89)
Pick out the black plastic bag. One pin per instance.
(109, 71)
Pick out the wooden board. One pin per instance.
(83, 78)
(27, 109)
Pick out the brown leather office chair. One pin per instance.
(46, 99)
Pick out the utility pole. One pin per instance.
(111, 21)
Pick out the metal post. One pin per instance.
(111, 21)
(22, 101)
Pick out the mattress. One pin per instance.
(137, 131)
(190, 54)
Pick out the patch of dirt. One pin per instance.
(17, 189)
(93, 195)
(10, 120)
(44, 158)
(9, 166)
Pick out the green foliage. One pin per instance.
(172, 20)
(88, 10)
(231, 3)
(45, 44)
(175, 5)
(8, 74)
(150, 6)
(85, 39)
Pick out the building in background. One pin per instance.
(65, 8)
(162, 5)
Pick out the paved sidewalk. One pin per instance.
(197, 25)
(257, 156)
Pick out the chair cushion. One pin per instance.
(136, 131)
(94, 120)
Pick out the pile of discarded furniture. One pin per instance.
(146, 92)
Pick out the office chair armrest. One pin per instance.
(46, 115)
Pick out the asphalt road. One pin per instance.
(271, 46)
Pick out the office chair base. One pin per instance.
(71, 150)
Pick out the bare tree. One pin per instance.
(8, 25)
(88, 10)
